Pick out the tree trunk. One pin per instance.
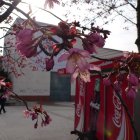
(138, 25)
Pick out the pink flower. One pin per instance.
(2, 82)
(27, 51)
(49, 63)
(77, 64)
(25, 44)
(85, 76)
(34, 115)
(106, 81)
(47, 120)
(26, 113)
(133, 79)
(89, 46)
(25, 36)
(75, 59)
(93, 40)
(131, 92)
(73, 31)
(50, 3)
(63, 28)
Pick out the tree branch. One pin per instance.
(18, 97)
(132, 5)
(22, 12)
(46, 11)
(114, 8)
(9, 10)
(125, 17)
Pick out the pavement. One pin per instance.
(14, 126)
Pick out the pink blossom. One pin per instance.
(2, 82)
(63, 28)
(26, 113)
(50, 3)
(89, 46)
(106, 81)
(75, 59)
(49, 63)
(27, 51)
(25, 44)
(34, 115)
(85, 76)
(73, 31)
(131, 92)
(133, 79)
(46, 121)
(93, 40)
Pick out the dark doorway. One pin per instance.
(60, 87)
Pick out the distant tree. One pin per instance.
(107, 10)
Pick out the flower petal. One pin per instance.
(133, 79)
(131, 93)
(63, 57)
(74, 75)
(70, 66)
(85, 76)
(84, 53)
(82, 64)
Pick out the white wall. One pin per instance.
(32, 83)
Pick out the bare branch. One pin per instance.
(125, 17)
(46, 11)
(132, 5)
(5, 35)
(114, 8)
(18, 97)
(9, 10)
(22, 12)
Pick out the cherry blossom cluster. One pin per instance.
(34, 115)
(29, 45)
(131, 75)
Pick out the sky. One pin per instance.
(119, 39)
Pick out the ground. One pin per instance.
(13, 125)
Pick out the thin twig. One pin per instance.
(18, 97)
(46, 11)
